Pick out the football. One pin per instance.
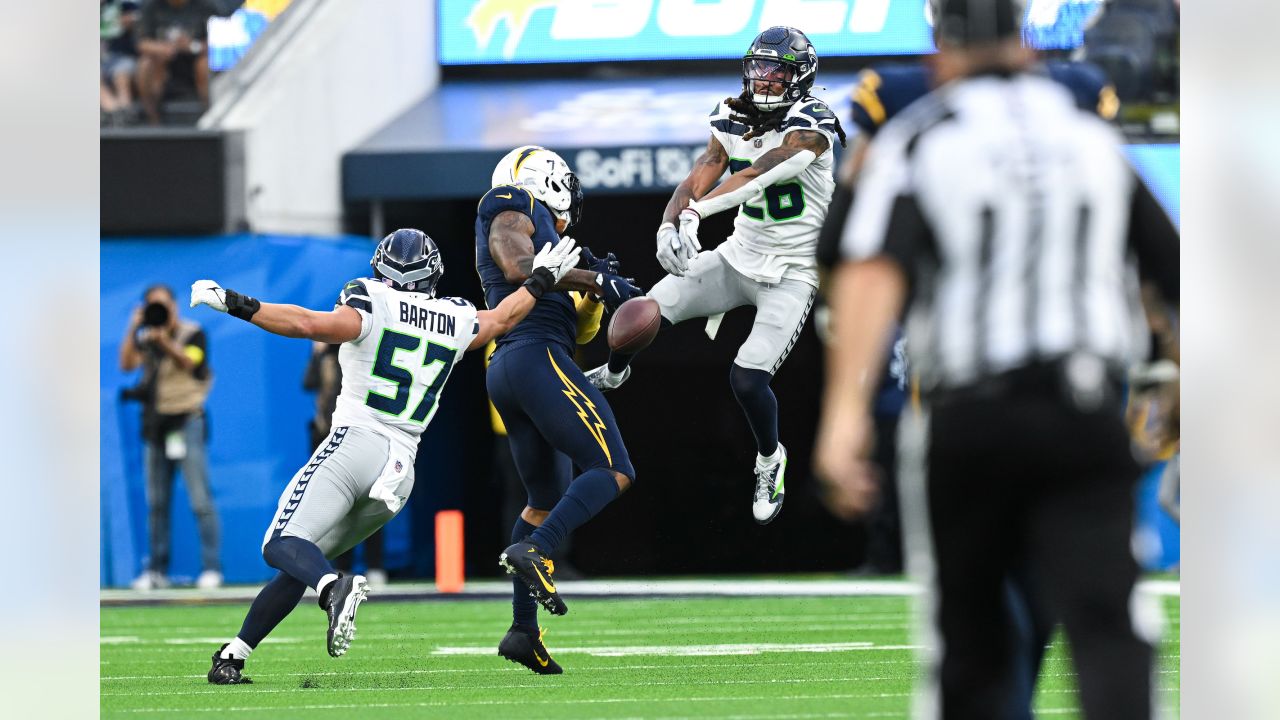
(634, 325)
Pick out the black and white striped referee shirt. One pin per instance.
(1018, 220)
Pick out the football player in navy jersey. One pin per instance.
(555, 419)
(881, 93)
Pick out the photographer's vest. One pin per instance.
(179, 391)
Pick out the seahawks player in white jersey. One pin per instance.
(776, 139)
(399, 343)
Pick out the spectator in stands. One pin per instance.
(176, 380)
(323, 377)
(171, 38)
(119, 60)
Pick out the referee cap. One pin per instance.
(976, 22)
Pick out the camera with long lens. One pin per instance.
(155, 314)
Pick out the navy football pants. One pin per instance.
(555, 419)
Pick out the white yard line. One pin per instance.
(601, 588)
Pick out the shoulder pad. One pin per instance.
(810, 114)
(356, 294)
(460, 302)
(884, 91)
(720, 121)
(1088, 85)
(505, 197)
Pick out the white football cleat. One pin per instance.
(604, 380)
(769, 492)
(150, 580)
(208, 580)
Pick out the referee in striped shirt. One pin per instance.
(1011, 224)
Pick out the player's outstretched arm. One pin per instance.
(341, 325)
(549, 266)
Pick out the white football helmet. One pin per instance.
(546, 176)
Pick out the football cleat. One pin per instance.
(227, 671)
(529, 564)
(604, 381)
(344, 596)
(524, 645)
(769, 492)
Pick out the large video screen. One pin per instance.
(545, 31)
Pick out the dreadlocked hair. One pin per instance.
(759, 121)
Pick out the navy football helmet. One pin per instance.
(408, 260)
(779, 69)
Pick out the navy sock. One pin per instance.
(751, 388)
(524, 610)
(273, 604)
(298, 558)
(619, 361)
(587, 495)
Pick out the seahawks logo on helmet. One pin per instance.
(544, 175)
(779, 68)
(408, 260)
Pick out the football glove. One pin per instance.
(208, 292)
(671, 253)
(690, 219)
(615, 289)
(607, 264)
(551, 264)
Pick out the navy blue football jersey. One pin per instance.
(883, 91)
(553, 318)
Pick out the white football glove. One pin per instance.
(209, 293)
(670, 250)
(690, 219)
(560, 258)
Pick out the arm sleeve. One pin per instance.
(784, 170)
(590, 313)
(1155, 241)
(355, 295)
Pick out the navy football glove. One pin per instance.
(615, 289)
(607, 264)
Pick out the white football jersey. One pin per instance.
(775, 234)
(393, 374)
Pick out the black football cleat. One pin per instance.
(227, 671)
(344, 596)
(529, 564)
(524, 645)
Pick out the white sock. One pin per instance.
(775, 457)
(237, 649)
(324, 583)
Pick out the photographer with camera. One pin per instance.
(175, 382)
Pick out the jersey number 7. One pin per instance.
(436, 364)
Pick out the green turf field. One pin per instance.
(744, 657)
